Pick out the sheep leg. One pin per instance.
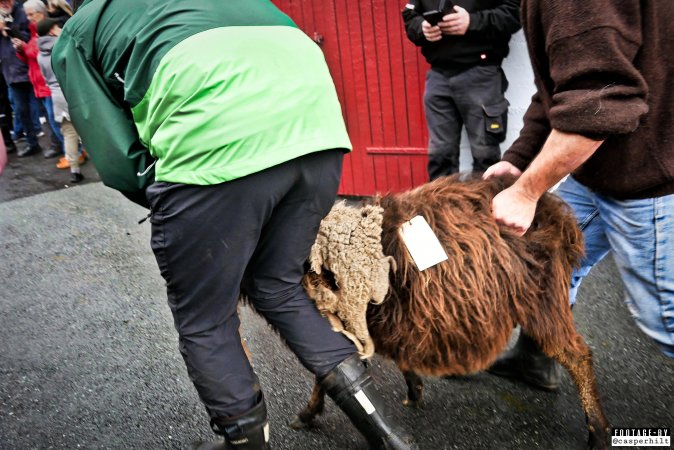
(415, 389)
(577, 359)
(315, 406)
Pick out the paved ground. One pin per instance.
(88, 354)
(34, 175)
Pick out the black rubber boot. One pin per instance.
(525, 362)
(249, 431)
(352, 389)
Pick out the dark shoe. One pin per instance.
(352, 389)
(525, 362)
(76, 177)
(28, 150)
(10, 146)
(51, 152)
(249, 431)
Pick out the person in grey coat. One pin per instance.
(48, 31)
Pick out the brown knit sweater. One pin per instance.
(604, 69)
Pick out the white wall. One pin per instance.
(518, 70)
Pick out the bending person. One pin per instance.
(237, 107)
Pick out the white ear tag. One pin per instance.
(422, 243)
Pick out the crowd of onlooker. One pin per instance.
(29, 91)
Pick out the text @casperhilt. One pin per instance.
(637, 437)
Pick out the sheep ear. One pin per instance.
(392, 263)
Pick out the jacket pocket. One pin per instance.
(496, 121)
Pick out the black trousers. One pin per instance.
(6, 114)
(255, 232)
(473, 98)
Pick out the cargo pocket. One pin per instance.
(495, 122)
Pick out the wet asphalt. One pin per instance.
(89, 359)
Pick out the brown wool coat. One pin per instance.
(604, 69)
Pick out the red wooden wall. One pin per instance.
(379, 77)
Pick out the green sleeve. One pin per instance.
(102, 121)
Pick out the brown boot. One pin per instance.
(525, 362)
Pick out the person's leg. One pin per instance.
(22, 93)
(6, 116)
(55, 137)
(273, 283)
(478, 93)
(71, 142)
(274, 275)
(54, 126)
(641, 233)
(203, 237)
(584, 207)
(444, 126)
(36, 111)
(17, 127)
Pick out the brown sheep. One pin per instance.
(456, 317)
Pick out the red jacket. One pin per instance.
(29, 56)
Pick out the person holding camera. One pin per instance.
(14, 25)
(465, 42)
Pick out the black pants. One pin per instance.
(255, 232)
(473, 98)
(6, 114)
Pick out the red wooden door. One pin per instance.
(379, 77)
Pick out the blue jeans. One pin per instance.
(641, 235)
(17, 126)
(55, 126)
(23, 95)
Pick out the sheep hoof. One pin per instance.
(598, 440)
(416, 404)
(297, 424)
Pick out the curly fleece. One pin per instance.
(348, 270)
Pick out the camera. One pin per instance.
(9, 21)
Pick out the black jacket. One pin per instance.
(13, 69)
(492, 22)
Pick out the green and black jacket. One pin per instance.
(213, 90)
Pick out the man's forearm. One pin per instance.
(561, 154)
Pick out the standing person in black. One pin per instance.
(6, 116)
(465, 84)
(14, 24)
